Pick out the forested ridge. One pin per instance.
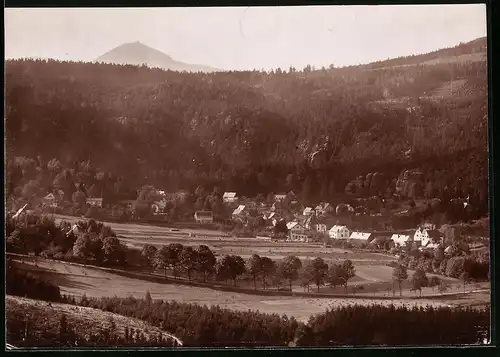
(255, 132)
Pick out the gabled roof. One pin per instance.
(307, 210)
(238, 210)
(229, 195)
(50, 196)
(400, 236)
(337, 228)
(291, 225)
(360, 235)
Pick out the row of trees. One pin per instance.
(188, 260)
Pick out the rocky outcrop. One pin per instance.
(410, 183)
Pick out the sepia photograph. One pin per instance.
(246, 177)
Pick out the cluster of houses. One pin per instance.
(424, 237)
(54, 200)
(305, 224)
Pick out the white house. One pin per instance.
(308, 211)
(427, 236)
(361, 237)
(338, 232)
(400, 240)
(229, 197)
(204, 216)
(296, 232)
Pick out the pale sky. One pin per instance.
(245, 37)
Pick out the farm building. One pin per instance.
(338, 232)
(296, 232)
(94, 201)
(204, 217)
(427, 236)
(229, 197)
(360, 237)
(400, 240)
(308, 211)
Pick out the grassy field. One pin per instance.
(136, 236)
(76, 280)
(45, 317)
(372, 271)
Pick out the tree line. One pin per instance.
(340, 326)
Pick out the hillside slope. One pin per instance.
(44, 324)
(138, 54)
(252, 132)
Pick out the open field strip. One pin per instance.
(77, 280)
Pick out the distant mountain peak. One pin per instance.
(137, 53)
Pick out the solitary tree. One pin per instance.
(335, 275)
(206, 261)
(173, 257)
(230, 267)
(161, 259)
(254, 268)
(268, 267)
(188, 260)
(349, 271)
(399, 275)
(419, 280)
(288, 269)
(114, 252)
(148, 253)
(317, 271)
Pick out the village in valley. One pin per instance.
(152, 202)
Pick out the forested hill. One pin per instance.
(255, 132)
